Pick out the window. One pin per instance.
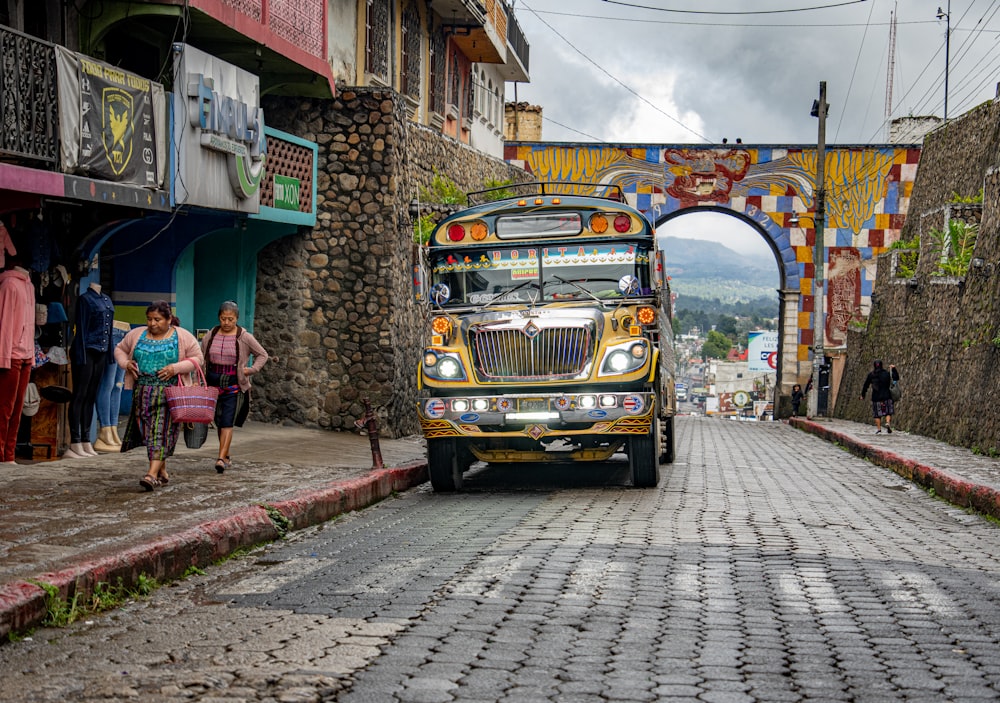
(377, 38)
(438, 61)
(410, 82)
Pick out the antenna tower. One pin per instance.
(892, 69)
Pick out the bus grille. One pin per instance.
(556, 352)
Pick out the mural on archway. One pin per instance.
(867, 195)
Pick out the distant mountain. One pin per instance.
(709, 270)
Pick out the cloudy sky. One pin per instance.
(696, 71)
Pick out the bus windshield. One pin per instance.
(533, 274)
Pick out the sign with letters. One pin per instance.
(762, 351)
(218, 133)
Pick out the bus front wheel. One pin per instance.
(443, 465)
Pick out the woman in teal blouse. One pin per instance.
(158, 355)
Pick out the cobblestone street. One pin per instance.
(769, 565)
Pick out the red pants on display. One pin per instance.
(13, 383)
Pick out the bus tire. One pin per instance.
(643, 456)
(443, 465)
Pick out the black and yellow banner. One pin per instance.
(116, 126)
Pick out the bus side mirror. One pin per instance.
(628, 285)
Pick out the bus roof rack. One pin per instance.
(610, 191)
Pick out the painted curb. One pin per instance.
(23, 603)
(957, 491)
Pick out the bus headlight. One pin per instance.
(624, 358)
(445, 366)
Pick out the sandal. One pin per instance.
(149, 482)
(220, 466)
(164, 479)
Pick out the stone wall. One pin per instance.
(942, 333)
(335, 303)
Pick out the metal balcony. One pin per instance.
(29, 106)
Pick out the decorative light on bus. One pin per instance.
(598, 223)
(478, 231)
(623, 223)
(441, 326)
(456, 233)
(480, 404)
(646, 316)
(460, 405)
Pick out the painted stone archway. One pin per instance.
(867, 195)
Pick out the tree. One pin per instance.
(716, 346)
(726, 324)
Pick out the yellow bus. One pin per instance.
(548, 335)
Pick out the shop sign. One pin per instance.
(286, 192)
(219, 135)
(762, 351)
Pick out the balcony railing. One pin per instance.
(29, 110)
(516, 40)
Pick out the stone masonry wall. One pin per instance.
(942, 333)
(335, 304)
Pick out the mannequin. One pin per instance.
(109, 396)
(89, 353)
(17, 350)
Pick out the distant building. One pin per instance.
(911, 130)
(522, 122)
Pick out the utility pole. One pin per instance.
(819, 110)
(947, 52)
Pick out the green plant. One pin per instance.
(502, 192)
(193, 570)
(144, 585)
(281, 523)
(443, 191)
(423, 227)
(968, 199)
(58, 611)
(906, 263)
(953, 247)
(913, 243)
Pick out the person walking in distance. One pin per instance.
(797, 397)
(880, 381)
(227, 349)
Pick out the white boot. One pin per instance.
(105, 441)
(76, 451)
(88, 449)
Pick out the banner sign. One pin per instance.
(762, 351)
(218, 133)
(286, 192)
(108, 123)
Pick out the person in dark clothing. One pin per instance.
(797, 397)
(880, 381)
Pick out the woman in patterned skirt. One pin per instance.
(158, 355)
(227, 350)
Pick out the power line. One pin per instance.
(854, 72)
(786, 25)
(616, 80)
(738, 12)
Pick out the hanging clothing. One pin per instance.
(17, 317)
(6, 245)
(95, 315)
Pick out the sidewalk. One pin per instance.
(74, 523)
(957, 475)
